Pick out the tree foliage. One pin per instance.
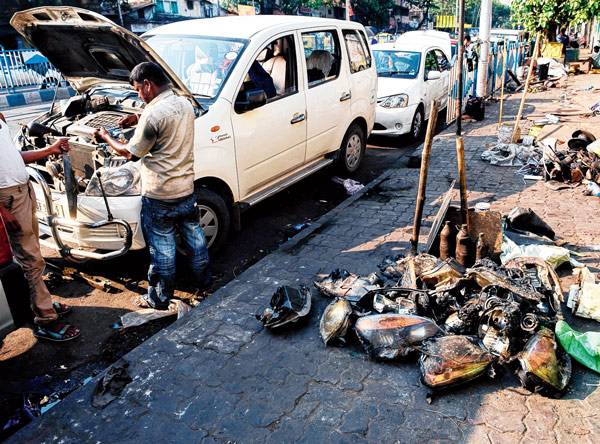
(541, 15)
(372, 12)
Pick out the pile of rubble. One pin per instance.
(463, 322)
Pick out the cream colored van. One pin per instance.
(277, 98)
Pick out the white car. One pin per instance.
(413, 71)
(251, 141)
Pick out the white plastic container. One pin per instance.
(506, 131)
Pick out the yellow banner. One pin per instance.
(246, 10)
(447, 21)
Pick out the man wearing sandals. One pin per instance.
(17, 208)
(164, 141)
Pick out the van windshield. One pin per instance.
(398, 64)
(202, 63)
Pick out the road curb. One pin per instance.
(34, 97)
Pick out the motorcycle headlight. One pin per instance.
(121, 181)
(397, 101)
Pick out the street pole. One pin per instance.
(459, 60)
(347, 10)
(456, 16)
(120, 14)
(485, 27)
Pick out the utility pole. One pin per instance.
(459, 60)
(347, 10)
(485, 27)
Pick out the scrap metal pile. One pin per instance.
(463, 322)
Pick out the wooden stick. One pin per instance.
(462, 174)
(529, 75)
(426, 155)
(503, 76)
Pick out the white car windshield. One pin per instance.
(399, 64)
(202, 63)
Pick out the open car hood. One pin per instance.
(87, 48)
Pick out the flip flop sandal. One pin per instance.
(56, 336)
(61, 309)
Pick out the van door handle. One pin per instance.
(298, 118)
(345, 96)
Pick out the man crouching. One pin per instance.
(164, 141)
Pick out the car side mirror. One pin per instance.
(254, 99)
(433, 75)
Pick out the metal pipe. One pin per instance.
(53, 222)
(425, 157)
(504, 53)
(529, 76)
(462, 174)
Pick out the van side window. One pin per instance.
(322, 52)
(430, 63)
(442, 60)
(273, 71)
(359, 59)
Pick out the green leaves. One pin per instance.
(540, 15)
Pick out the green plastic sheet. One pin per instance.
(583, 347)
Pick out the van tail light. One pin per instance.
(6, 256)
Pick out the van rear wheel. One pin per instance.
(352, 149)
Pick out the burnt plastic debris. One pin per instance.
(545, 366)
(335, 321)
(393, 336)
(580, 140)
(112, 384)
(526, 220)
(341, 283)
(448, 361)
(288, 306)
(463, 321)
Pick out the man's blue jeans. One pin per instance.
(161, 220)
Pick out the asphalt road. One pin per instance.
(264, 227)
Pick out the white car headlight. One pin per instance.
(121, 181)
(397, 101)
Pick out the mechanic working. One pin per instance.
(18, 210)
(163, 140)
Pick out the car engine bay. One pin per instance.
(77, 119)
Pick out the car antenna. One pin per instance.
(56, 92)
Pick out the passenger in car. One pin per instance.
(18, 209)
(164, 141)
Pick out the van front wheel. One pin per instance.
(352, 149)
(214, 218)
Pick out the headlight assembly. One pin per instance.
(121, 181)
(397, 101)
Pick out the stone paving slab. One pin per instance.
(216, 376)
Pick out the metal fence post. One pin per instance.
(8, 88)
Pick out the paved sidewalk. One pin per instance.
(217, 376)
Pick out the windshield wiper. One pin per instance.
(395, 72)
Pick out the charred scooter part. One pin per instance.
(392, 336)
(288, 307)
(448, 361)
(545, 366)
(341, 283)
(335, 321)
(53, 222)
(101, 284)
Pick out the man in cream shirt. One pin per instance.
(164, 141)
(17, 208)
